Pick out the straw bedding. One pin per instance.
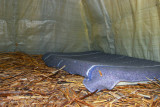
(26, 81)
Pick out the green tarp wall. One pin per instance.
(126, 27)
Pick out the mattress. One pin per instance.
(102, 70)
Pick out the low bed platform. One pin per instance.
(104, 71)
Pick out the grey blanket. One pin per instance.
(104, 71)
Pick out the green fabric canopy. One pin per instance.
(126, 27)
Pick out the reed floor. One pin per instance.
(25, 81)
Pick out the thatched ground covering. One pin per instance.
(25, 81)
